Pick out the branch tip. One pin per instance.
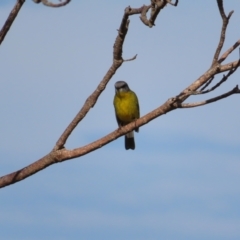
(230, 14)
(130, 59)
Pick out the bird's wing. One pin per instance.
(118, 120)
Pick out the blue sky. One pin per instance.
(181, 182)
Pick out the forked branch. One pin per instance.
(225, 20)
(211, 100)
(224, 79)
(60, 154)
(117, 62)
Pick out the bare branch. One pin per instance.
(207, 84)
(143, 16)
(10, 19)
(130, 59)
(224, 79)
(59, 153)
(228, 66)
(214, 70)
(197, 104)
(156, 6)
(64, 154)
(117, 62)
(225, 55)
(225, 20)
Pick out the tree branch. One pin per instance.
(117, 62)
(225, 20)
(197, 104)
(156, 6)
(207, 83)
(224, 79)
(173, 4)
(64, 154)
(130, 59)
(229, 51)
(10, 19)
(60, 154)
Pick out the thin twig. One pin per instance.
(207, 83)
(224, 79)
(117, 62)
(225, 20)
(65, 154)
(225, 55)
(10, 19)
(215, 68)
(156, 6)
(197, 104)
(130, 59)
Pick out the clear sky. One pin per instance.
(182, 180)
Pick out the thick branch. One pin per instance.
(64, 154)
(29, 170)
(10, 19)
(197, 104)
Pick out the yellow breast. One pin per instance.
(126, 106)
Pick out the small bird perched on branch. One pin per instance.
(126, 109)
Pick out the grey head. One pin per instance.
(121, 86)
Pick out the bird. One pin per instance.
(126, 110)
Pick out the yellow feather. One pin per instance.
(126, 106)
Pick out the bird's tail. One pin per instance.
(129, 141)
